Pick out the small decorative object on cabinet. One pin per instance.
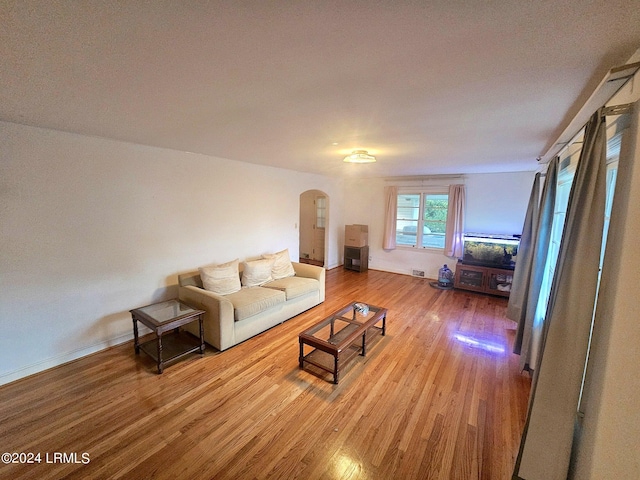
(496, 281)
(356, 258)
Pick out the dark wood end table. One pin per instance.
(165, 320)
(334, 338)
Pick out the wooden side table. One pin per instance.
(165, 319)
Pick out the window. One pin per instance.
(421, 219)
(321, 212)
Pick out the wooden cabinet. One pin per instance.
(496, 281)
(356, 258)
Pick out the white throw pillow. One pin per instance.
(282, 266)
(222, 279)
(257, 272)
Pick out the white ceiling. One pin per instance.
(430, 87)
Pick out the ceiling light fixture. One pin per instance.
(360, 156)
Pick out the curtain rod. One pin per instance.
(422, 178)
(612, 111)
(615, 79)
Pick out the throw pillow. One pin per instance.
(257, 272)
(282, 266)
(222, 279)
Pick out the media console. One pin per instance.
(496, 281)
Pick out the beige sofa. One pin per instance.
(233, 318)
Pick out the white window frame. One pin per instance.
(423, 192)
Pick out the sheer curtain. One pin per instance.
(547, 440)
(455, 222)
(390, 215)
(532, 259)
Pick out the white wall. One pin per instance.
(91, 228)
(496, 203)
(611, 426)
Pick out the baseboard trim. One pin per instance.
(63, 358)
(67, 357)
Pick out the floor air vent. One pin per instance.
(417, 273)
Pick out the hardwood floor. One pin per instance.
(440, 397)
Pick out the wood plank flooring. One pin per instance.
(439, 397)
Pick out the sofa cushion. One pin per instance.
(282, 266)
(257, 272)
(222, 279)
(250, 301)
(294, 286)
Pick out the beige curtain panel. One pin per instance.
(532, 260)
(610, 405)
(547, 440)
(522, 273)
(390, 217)
(453, 238)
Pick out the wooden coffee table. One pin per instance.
(340, 337)
(165, 319)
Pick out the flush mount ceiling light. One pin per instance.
(360, 156)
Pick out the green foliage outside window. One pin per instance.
(422, 219)
(435, 213)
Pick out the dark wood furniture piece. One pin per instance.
(334, 339)
(356, 258)
(165, 319)
(496, 281)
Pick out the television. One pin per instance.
(488, 250)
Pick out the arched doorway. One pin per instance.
(314, 216)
